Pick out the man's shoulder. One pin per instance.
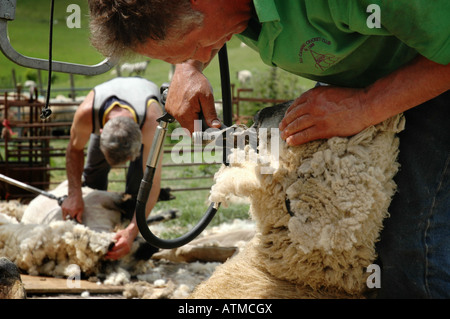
(83, 114)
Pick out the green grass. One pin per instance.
(29, 32)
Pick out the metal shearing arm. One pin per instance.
(7, 13)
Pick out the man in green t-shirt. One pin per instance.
(379, 57)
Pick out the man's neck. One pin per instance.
(118, 111)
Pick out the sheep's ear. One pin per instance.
(238, 181)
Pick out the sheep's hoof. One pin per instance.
(11, 286)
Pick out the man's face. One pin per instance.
(199, 44)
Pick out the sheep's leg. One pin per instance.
(241, 277)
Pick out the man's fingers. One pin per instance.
(113, 254)
(296, 125)
(119, 250)
(293, 112)
(209, 111)
(79, 218)
(307, 135)
(66, 214)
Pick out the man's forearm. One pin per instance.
(74, 169)
(410, 86)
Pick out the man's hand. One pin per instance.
(124, 240)
(73, 208)
(324, 112)
(190, 93)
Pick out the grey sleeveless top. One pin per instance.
(132, 93)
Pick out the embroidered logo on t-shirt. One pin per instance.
(312, 48)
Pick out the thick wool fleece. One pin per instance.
(48, 249)
(318, 215)
(39, 242)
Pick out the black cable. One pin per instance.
(46, 111)
(226, 86)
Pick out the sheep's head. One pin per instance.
(254, 167)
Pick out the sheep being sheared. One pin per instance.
(103, 210)
(318, 214)
(41, 243)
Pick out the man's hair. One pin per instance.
(120, 140)
(119, 26)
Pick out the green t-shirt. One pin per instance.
(331, 41)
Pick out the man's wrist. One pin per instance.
(199, 66)
(132, 229)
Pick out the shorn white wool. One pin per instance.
(48, 249)
(317, 216)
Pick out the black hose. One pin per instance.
(172, 243)
(147, 181)
(226, 86)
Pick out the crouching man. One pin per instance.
(118, 119)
